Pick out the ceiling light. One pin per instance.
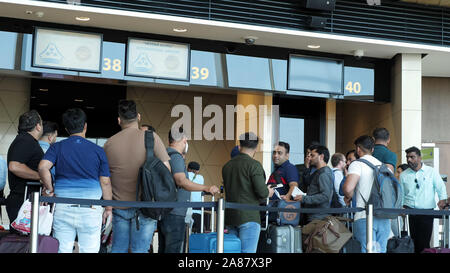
(78, 100)
(29, 12)
(43, 89)
(82, 18)
(314, 46)
(179, 30)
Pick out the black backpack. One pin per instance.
(155, 182)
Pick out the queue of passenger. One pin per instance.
(77, 168)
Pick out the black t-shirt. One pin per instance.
(24, 149)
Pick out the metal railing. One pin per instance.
(221, 205)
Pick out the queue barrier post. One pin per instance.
(369, 228)
(220, 225)
(34, 222)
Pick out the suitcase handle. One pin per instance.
(405, 225)
(202, 215)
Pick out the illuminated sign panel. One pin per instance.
(67, 50)
(160, 60)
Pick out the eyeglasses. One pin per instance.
(417, 183)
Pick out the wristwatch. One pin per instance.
(48, 191)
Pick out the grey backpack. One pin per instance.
(386, 192)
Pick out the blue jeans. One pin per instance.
(381, 231)
(69, 222)
(125, 234)
(249, 235)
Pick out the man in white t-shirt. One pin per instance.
(358, 185)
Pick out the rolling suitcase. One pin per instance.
(444, 248)
(14, 243)
(404, 243)
(279, 239)
(207, 242)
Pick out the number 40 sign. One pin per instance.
(353, 87)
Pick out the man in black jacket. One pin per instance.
(320, 190)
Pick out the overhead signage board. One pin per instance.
(8, 49)
(159, 60)
(359, 82)
(313, 74)
(67, 50)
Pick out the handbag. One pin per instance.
(328, 235)
(403, 243)
(283, 217)
(23, 221)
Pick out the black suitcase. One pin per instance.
(404, 243)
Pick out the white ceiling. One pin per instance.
(434, 64)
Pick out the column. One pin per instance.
(407, 102)
(330, 133)
(256, 115)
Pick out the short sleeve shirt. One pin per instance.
(3, 173)
(196, 196)
(178, 165)
(383, 154)
(126, 153)
(79, 164)
(287, 173)
(24, 149)
(366, 179)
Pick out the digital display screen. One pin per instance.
(312, 74)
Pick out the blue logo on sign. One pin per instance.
(51, 54)
(143, 63)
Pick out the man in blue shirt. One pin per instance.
(420, 184)
(285, 173)
(49, 135)
(81, 171)
(3, 172)
(196, 196)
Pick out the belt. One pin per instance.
(81, 206)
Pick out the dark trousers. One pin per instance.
(13, 204)
(171, 234)
(196, 227)
(421, 228)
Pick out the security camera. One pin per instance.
(230, 49)
(359, 53)
(250, 40)
(374, 2)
